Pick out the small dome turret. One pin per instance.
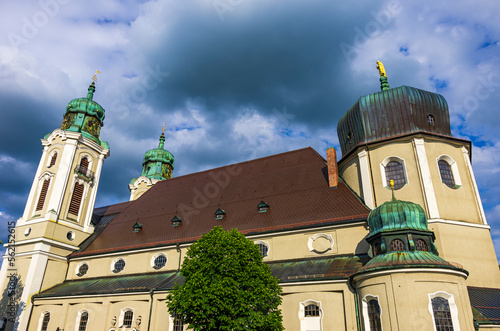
(158, 163)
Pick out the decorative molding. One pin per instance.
(310, 242)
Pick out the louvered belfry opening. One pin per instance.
(76, 199)
(53, 160)
(43, 194)
(84, 163)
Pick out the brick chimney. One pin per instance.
(333, 174)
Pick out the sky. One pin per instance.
(236, 80)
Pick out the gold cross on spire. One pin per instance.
(391, 183)
(94, 77)
(163, 129)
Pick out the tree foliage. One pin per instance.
(227, 286)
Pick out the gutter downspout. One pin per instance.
(150, 308)
(178, 248)
(356, 305)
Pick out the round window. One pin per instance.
(82, 269)
(119, 265)
(70, 235)
(160, 261)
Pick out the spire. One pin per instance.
(384, 85)
(90, 94)
(391, 183)
(162, 137)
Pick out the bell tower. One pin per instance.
(158, 165)
(404, 134)
(58, 212)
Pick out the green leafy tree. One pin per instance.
(227, 286)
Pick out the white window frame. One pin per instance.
(384, 163)
(262, 242)
(317, 236)
(303, 319)
(77, 269)
(454, 170)
(54, 151)
(153, 258)
(451, 303)
(122, 317)
(40, 320)
(171, 319)
(364, 308)
(112, 267)
(78, 318)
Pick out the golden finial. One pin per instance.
(163, 129)
(391, 184)
(94, 77)
(381, 69)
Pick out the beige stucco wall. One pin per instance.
(404, 297)
(349, 172)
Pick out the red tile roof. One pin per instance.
(294, 184)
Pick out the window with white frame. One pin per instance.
(118, 265)
(44, 320)
(372, 313)
(393, 168)
(310, 315)
(158, 261)
(82, 320)
(126, 318)
(444, 311)
(176, 323)
(448, 170)
(263, 248)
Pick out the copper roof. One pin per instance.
(391, 113)
(293, 184)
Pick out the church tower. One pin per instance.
(158, 165)
(58, 213)
(403, 134)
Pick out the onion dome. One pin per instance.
(400, 238)
(396, 215)
(392, 112)
(84, 115)
(158, 163)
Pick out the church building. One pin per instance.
(392, 236)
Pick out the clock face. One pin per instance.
(92, 126)
(166, 171)
(67, 121)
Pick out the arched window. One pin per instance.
(128, 317)
(394, 168)
(374, 315)
(395, 171)
(448, 170)
(84, 163)
(397, 245)
(420, 245)
(446, 173)
(442, 314)
(43, 194)
(45, 321)
(76, 199)
(84, 318)
(310, 315)
(178, 323)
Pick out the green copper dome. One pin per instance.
(158, 163)
(84, 115)
(396, 215)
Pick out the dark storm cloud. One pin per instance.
(289, 56)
